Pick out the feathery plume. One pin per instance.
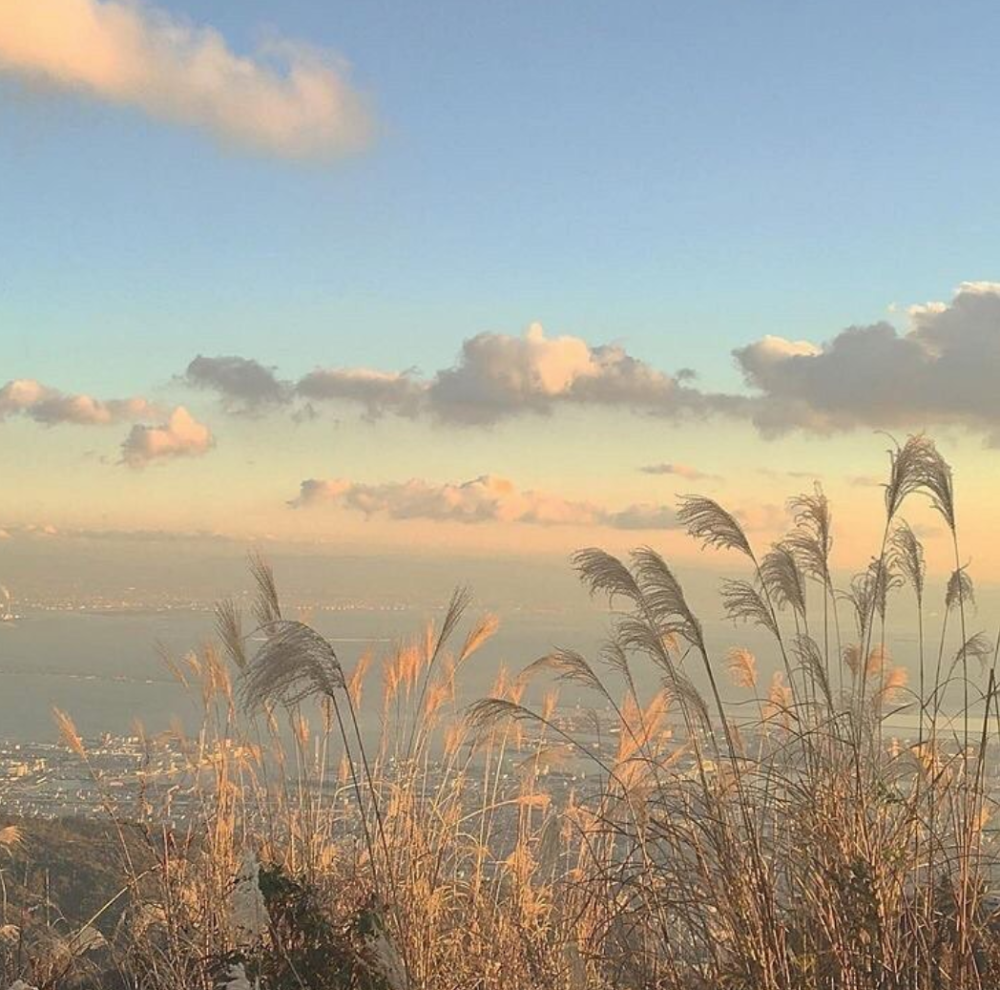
(67, 729)
(602, 572)
(568, 665)
(908, 557)
(743, 603)
(229, 626)
(663, 598)
(478, 635)
(712, 525)
(742, 666)
(960, 591)
(267, 607)
(782, 578)
(812, 539)
(294, 663)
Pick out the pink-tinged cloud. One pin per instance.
(484, 499)
(498, 376)
(288, 99)
(32, 530)
(48, 405)
(181, 436)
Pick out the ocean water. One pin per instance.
(104, 668)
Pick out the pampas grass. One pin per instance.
(771, 835)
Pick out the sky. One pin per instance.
(468, 279)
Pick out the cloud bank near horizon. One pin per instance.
(287, 100)
(488, 498)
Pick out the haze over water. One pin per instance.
(104, 666)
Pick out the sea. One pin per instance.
(105, 667)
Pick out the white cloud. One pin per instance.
(498, 376)
(287, 99)
(181, 436)
(487, 498)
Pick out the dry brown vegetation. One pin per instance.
(794, 848)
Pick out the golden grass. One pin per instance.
(794, 848)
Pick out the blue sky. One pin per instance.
(676, 179)
(683, 177)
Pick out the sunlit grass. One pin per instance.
(792, 847)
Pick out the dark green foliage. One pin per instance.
(307, 949)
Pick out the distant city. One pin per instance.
(156, 779)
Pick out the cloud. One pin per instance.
(181, 436)
(487, 498)
(287, 100)
(200, 537)
(245, 385)
(642, 515)
(942, 370)
(865, 481)
(499, 376)
(378, 392)
(29, 530)
(27, 397)
(680, 471)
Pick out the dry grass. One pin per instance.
(792, 848)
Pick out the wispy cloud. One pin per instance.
(287, 99)
(180, 436)
(679, 470)
(484, 499)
